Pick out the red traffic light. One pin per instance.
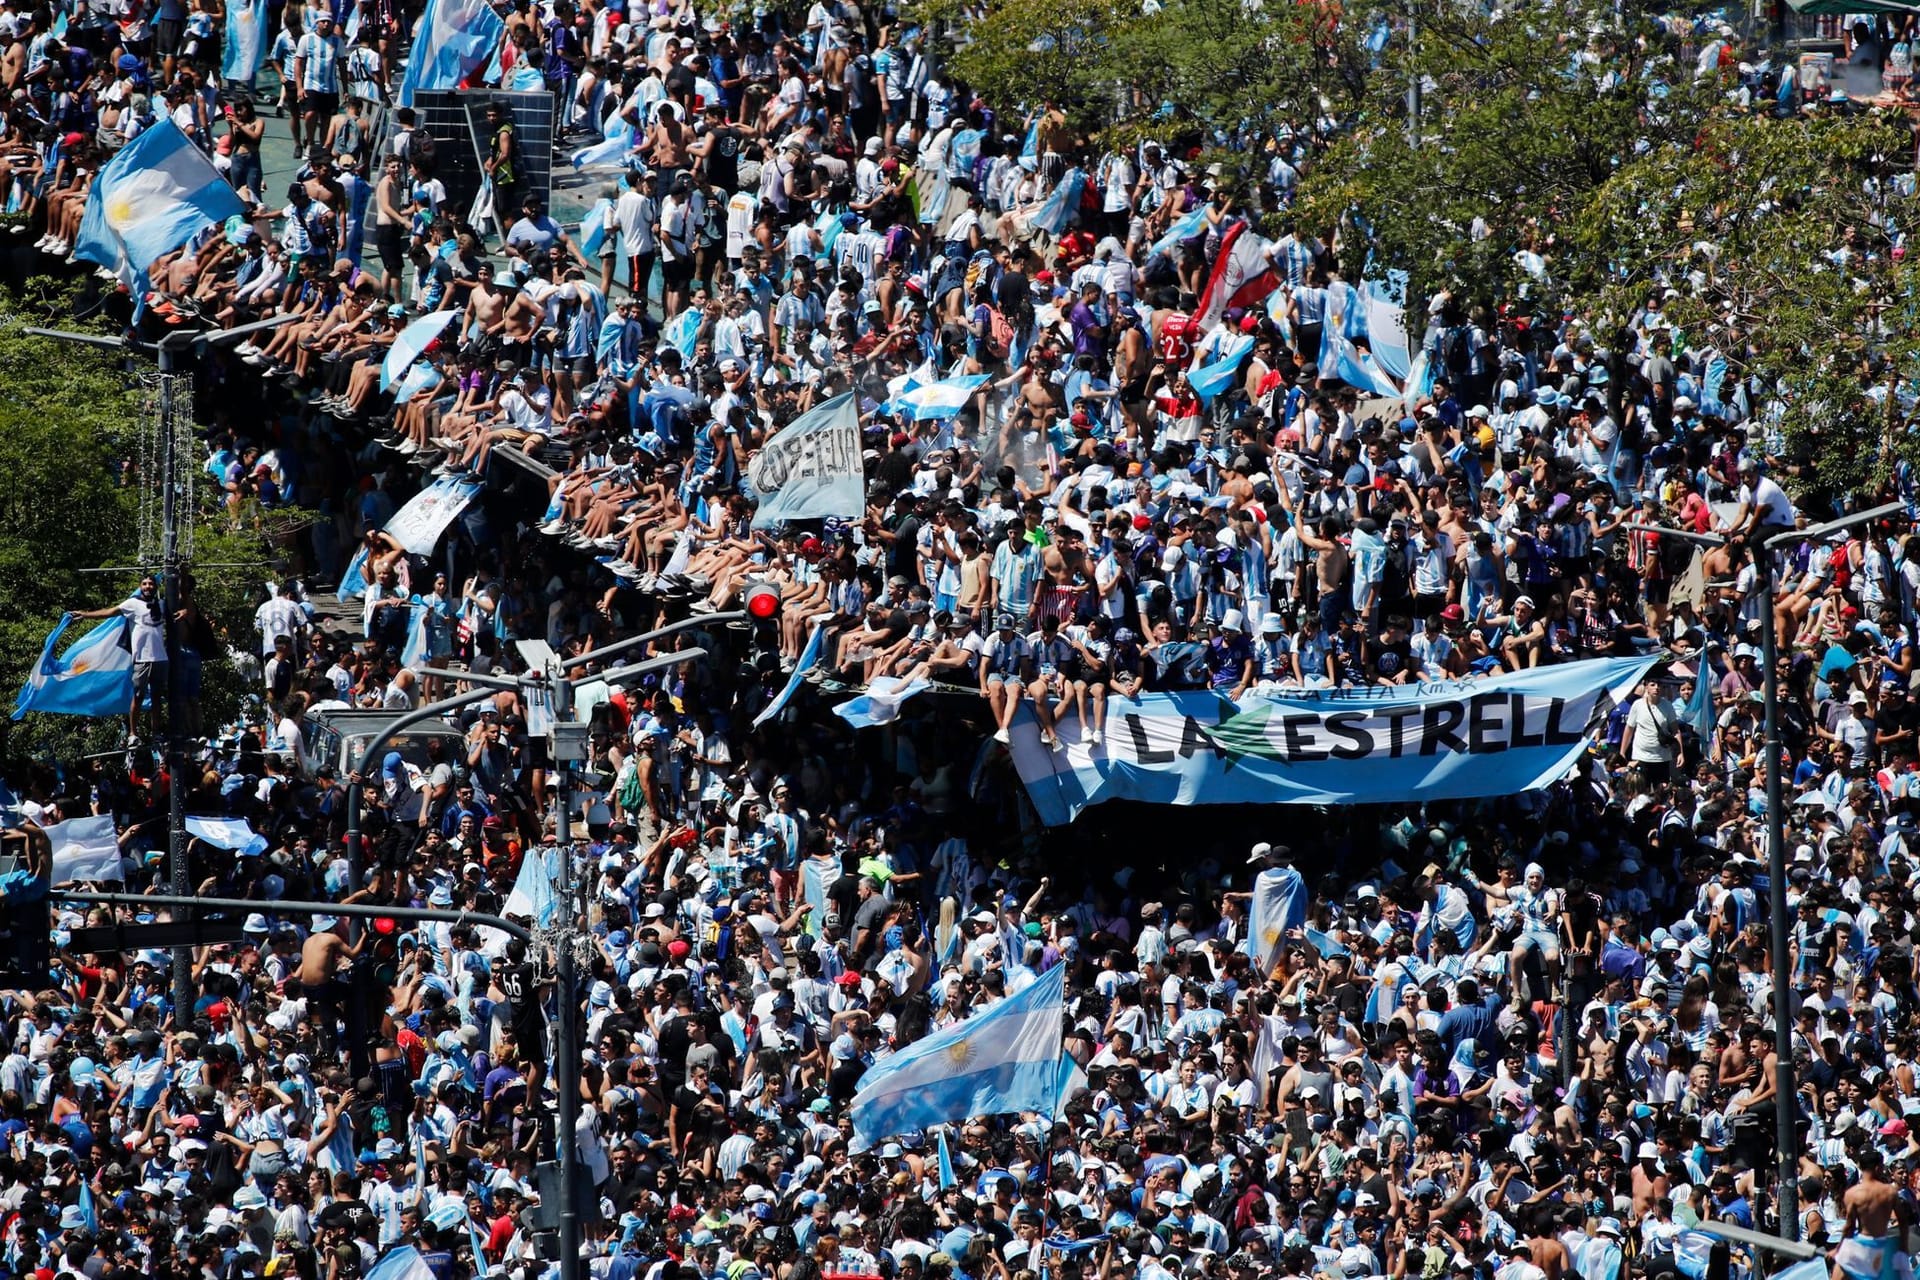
(384, 925)
(762, 601)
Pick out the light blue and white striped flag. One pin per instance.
(453, 39)
(808, 660)
(937, 401)
(94, 677)
(1214, 377)
(1057, 211)
(157, 193)
(1005, 1059)
(404, 1263)
(228, 833)
(353, 582)
(245, 45)
(946, 1162)
(1279, 904)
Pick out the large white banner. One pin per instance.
(1447, 740)
(418, 525)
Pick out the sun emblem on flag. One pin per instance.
(958, 1054)
(1271, 936)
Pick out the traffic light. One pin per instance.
(761, 601)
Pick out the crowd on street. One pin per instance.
(1111, 444)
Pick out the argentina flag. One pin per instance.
(454, 38)
(937, 401)
(92, 678)
(1005, 1059)
(157, 192)
(1279, 904)
(1218, 374)
(245, 45)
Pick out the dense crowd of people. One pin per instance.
(1524, 1038)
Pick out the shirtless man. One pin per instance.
(1064, 562)
(321, 959)
(1868, 1248)
(486, 305)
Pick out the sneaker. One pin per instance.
(1002, 737)
(1095, 738)
(1055, 743)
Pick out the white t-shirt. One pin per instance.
(1653, 728)
(149, 638)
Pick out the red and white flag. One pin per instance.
(1242, 276)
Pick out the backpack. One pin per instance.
(1456, 348)
(999, 339)
(421, 147)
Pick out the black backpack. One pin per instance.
(422, 147)
(1457, 349)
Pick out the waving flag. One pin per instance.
(1279, 904)
(946, 1163)
(533, 894)
(1699, 713)
(1003, 1059)
(454, 39)
(93, 678)
(85, 849)
(1073, 1083)
(88, 1214)
(245, 46)
(1242, 276)
(593, 228)
(411, 345)
(613, 146)
(1210, 379)
(1419, 381)
(809, 659)
(415, 651)
(880, 704)
(404, 1263)
(1188, 225)
(353, 583)
(228, 833)
(681, 333)
(1339, 358)
(811, 468)
(1030, 149)
(1386, 328)
(1057, 211)
(937, 401)
(157, 193)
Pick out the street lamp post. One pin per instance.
(566, 1043)
(1786, 1153)
(175, 496)
(1780, 941)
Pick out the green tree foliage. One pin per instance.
(1026, 52)
(69, 501)
(1576, 132)
(1777, 233)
